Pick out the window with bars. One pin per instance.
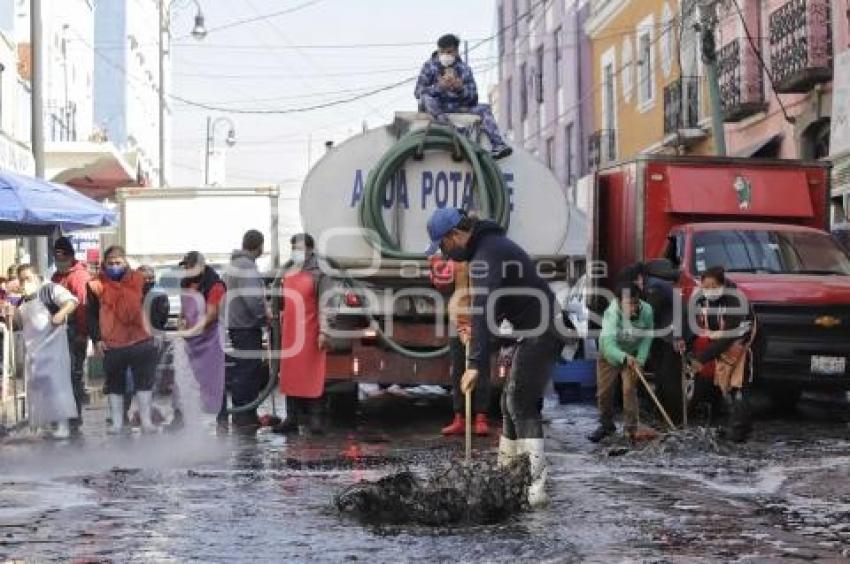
(515, 21)
(538, 74)
(509, 103)
(523, 91)
(500, 32)
(550, 153)
(568, 153)
(559, 55)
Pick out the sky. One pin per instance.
(314, 54)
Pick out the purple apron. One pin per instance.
(206, 355)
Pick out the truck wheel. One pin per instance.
(343, 401)
(784, 399)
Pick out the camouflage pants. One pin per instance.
(433, 106)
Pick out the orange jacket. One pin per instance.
(116, 316)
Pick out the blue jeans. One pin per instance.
(244, 373)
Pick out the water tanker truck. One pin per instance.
(367, 202)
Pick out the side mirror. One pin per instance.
(663, 269)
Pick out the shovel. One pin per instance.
(660, 407)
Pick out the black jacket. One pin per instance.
(497, 263)
(722, 314)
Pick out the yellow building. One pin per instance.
(649, 95)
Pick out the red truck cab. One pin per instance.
(767, 223)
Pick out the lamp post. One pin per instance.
(230, 141)
(199, 31)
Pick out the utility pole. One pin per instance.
(38, 245)
(162, 27)
(708, 23)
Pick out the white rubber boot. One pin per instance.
(539, 472)
(145, 400)
(507, 450)
(63, 430)
(116, 413)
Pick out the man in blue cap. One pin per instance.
(500, 266)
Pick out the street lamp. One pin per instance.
(230, 141)
(199, 31)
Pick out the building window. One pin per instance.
(646, 64)
(2, 68)
(500, 32)
(523, 91)
(627, 72)
(538, 75)
(559, 55)
(550, 153)
(568, 153)
(608, 81)
(509, 104)
(515, 26)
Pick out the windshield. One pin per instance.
(773, 252)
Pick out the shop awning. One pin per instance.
(95, 169)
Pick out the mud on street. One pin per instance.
(195, 497)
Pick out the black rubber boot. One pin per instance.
(738, 423)
(290, 424)
(316, 424)
(176, 422)
(601, 432)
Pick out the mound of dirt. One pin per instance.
(479, 493)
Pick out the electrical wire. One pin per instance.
(258, 18)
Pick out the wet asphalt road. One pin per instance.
(785, 496)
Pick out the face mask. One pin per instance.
(30, 288)
(63, 265)
(446, 60)
(713, 294)
(115, 273)
(298, 257)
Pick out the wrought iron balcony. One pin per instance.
(601, 147)
(800, 45)
(741, 83)
(681, 105)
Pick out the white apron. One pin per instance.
(50, 396)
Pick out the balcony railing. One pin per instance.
(681, 105)
(741, 84)
(800, 45)
(601, 147)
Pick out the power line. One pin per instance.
(260, 17)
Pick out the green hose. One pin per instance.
(489, 184)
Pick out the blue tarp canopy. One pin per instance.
(31, 206)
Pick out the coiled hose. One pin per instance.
(492, 198)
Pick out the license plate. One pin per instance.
(829, 365)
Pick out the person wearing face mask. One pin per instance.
(121, 335)
(302, 368)
(245, 315)
(624, 343)
(721, 347)
(201, 299)
(505, 284)
(446, 85)
(74, 276)
(43, 316)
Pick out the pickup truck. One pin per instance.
(766, 222)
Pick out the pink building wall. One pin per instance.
(806, 109)
(841, 25)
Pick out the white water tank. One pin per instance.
(541, 220)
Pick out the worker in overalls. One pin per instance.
(446, 86)
(722, 347)
(304, 326)
(505, 284)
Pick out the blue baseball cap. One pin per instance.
(441, 222)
